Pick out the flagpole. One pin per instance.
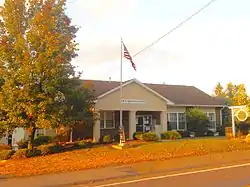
(121, 125)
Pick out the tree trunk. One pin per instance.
(71, 134)
(31, 138)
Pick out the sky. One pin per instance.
(210, 48)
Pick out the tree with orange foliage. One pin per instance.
(36, 48)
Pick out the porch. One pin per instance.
(133, 121)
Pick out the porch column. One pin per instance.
(97, 128)
(132, 124)
(164, 121)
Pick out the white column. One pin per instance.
(97, 128)
(164, 121)
(132, 123)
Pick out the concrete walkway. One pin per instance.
(144, 168)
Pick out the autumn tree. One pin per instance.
(233, 94)
(80, 105)
(37, 46)
(219, 90)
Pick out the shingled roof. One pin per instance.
(178, 94)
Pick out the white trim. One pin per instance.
(141, 84)
(192, 105)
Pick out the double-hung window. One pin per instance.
(212, 120)
(107, 120)
(177, 120)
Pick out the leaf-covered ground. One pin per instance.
(107, 156)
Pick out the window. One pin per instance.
(181, 121)
(172, 119)
(107, 120)
(177, 121)
(212, 120)
(40, 132)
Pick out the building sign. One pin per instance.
(132, 101)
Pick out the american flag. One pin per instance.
(128, 56)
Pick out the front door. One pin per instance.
(139, 124)
(143, 123)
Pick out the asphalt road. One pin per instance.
(231, 177)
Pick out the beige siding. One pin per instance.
(207, 109)
(132, 91)
(176, 109)
(50, 132)
(218, 116)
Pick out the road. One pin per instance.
(236, 176)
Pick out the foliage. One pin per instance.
(221, 130)
(40, 140)
(237, 94)
(210, 133)
(4, 147)
(80, 104)
(150, 136)
(234, 95)
(20, 154)
(219, 90)
(81, 144)
(117, 137)
(247, 139)
(22, 144)
(33, 153)
(137, 135)
(37, 44)
(197, 121)
(5, 154)
(106, 139)
(49, 149)
(170, 135)
(244, 128)
(184, 134)
(104, 156)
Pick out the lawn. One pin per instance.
(107, 156)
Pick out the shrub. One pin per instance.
(4, 147)
(184, 134)
(23, 144)
(197, 121)
(49, 149)
(221, 130)
(81, 144)
(117, 137)
(106, 139)
(171, 135)
(244, 128)
(150, 136)
(210, 133)
(41, 140)
(5, 154)
(247, 138)
(137, 135)
(32, 153)
(20, 154)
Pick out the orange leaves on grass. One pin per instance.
(105, 156)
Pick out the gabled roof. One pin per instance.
(176, 94)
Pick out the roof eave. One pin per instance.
(192, 105)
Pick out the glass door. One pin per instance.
(147, 123)
(139, 124)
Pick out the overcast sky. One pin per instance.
(212, 47)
